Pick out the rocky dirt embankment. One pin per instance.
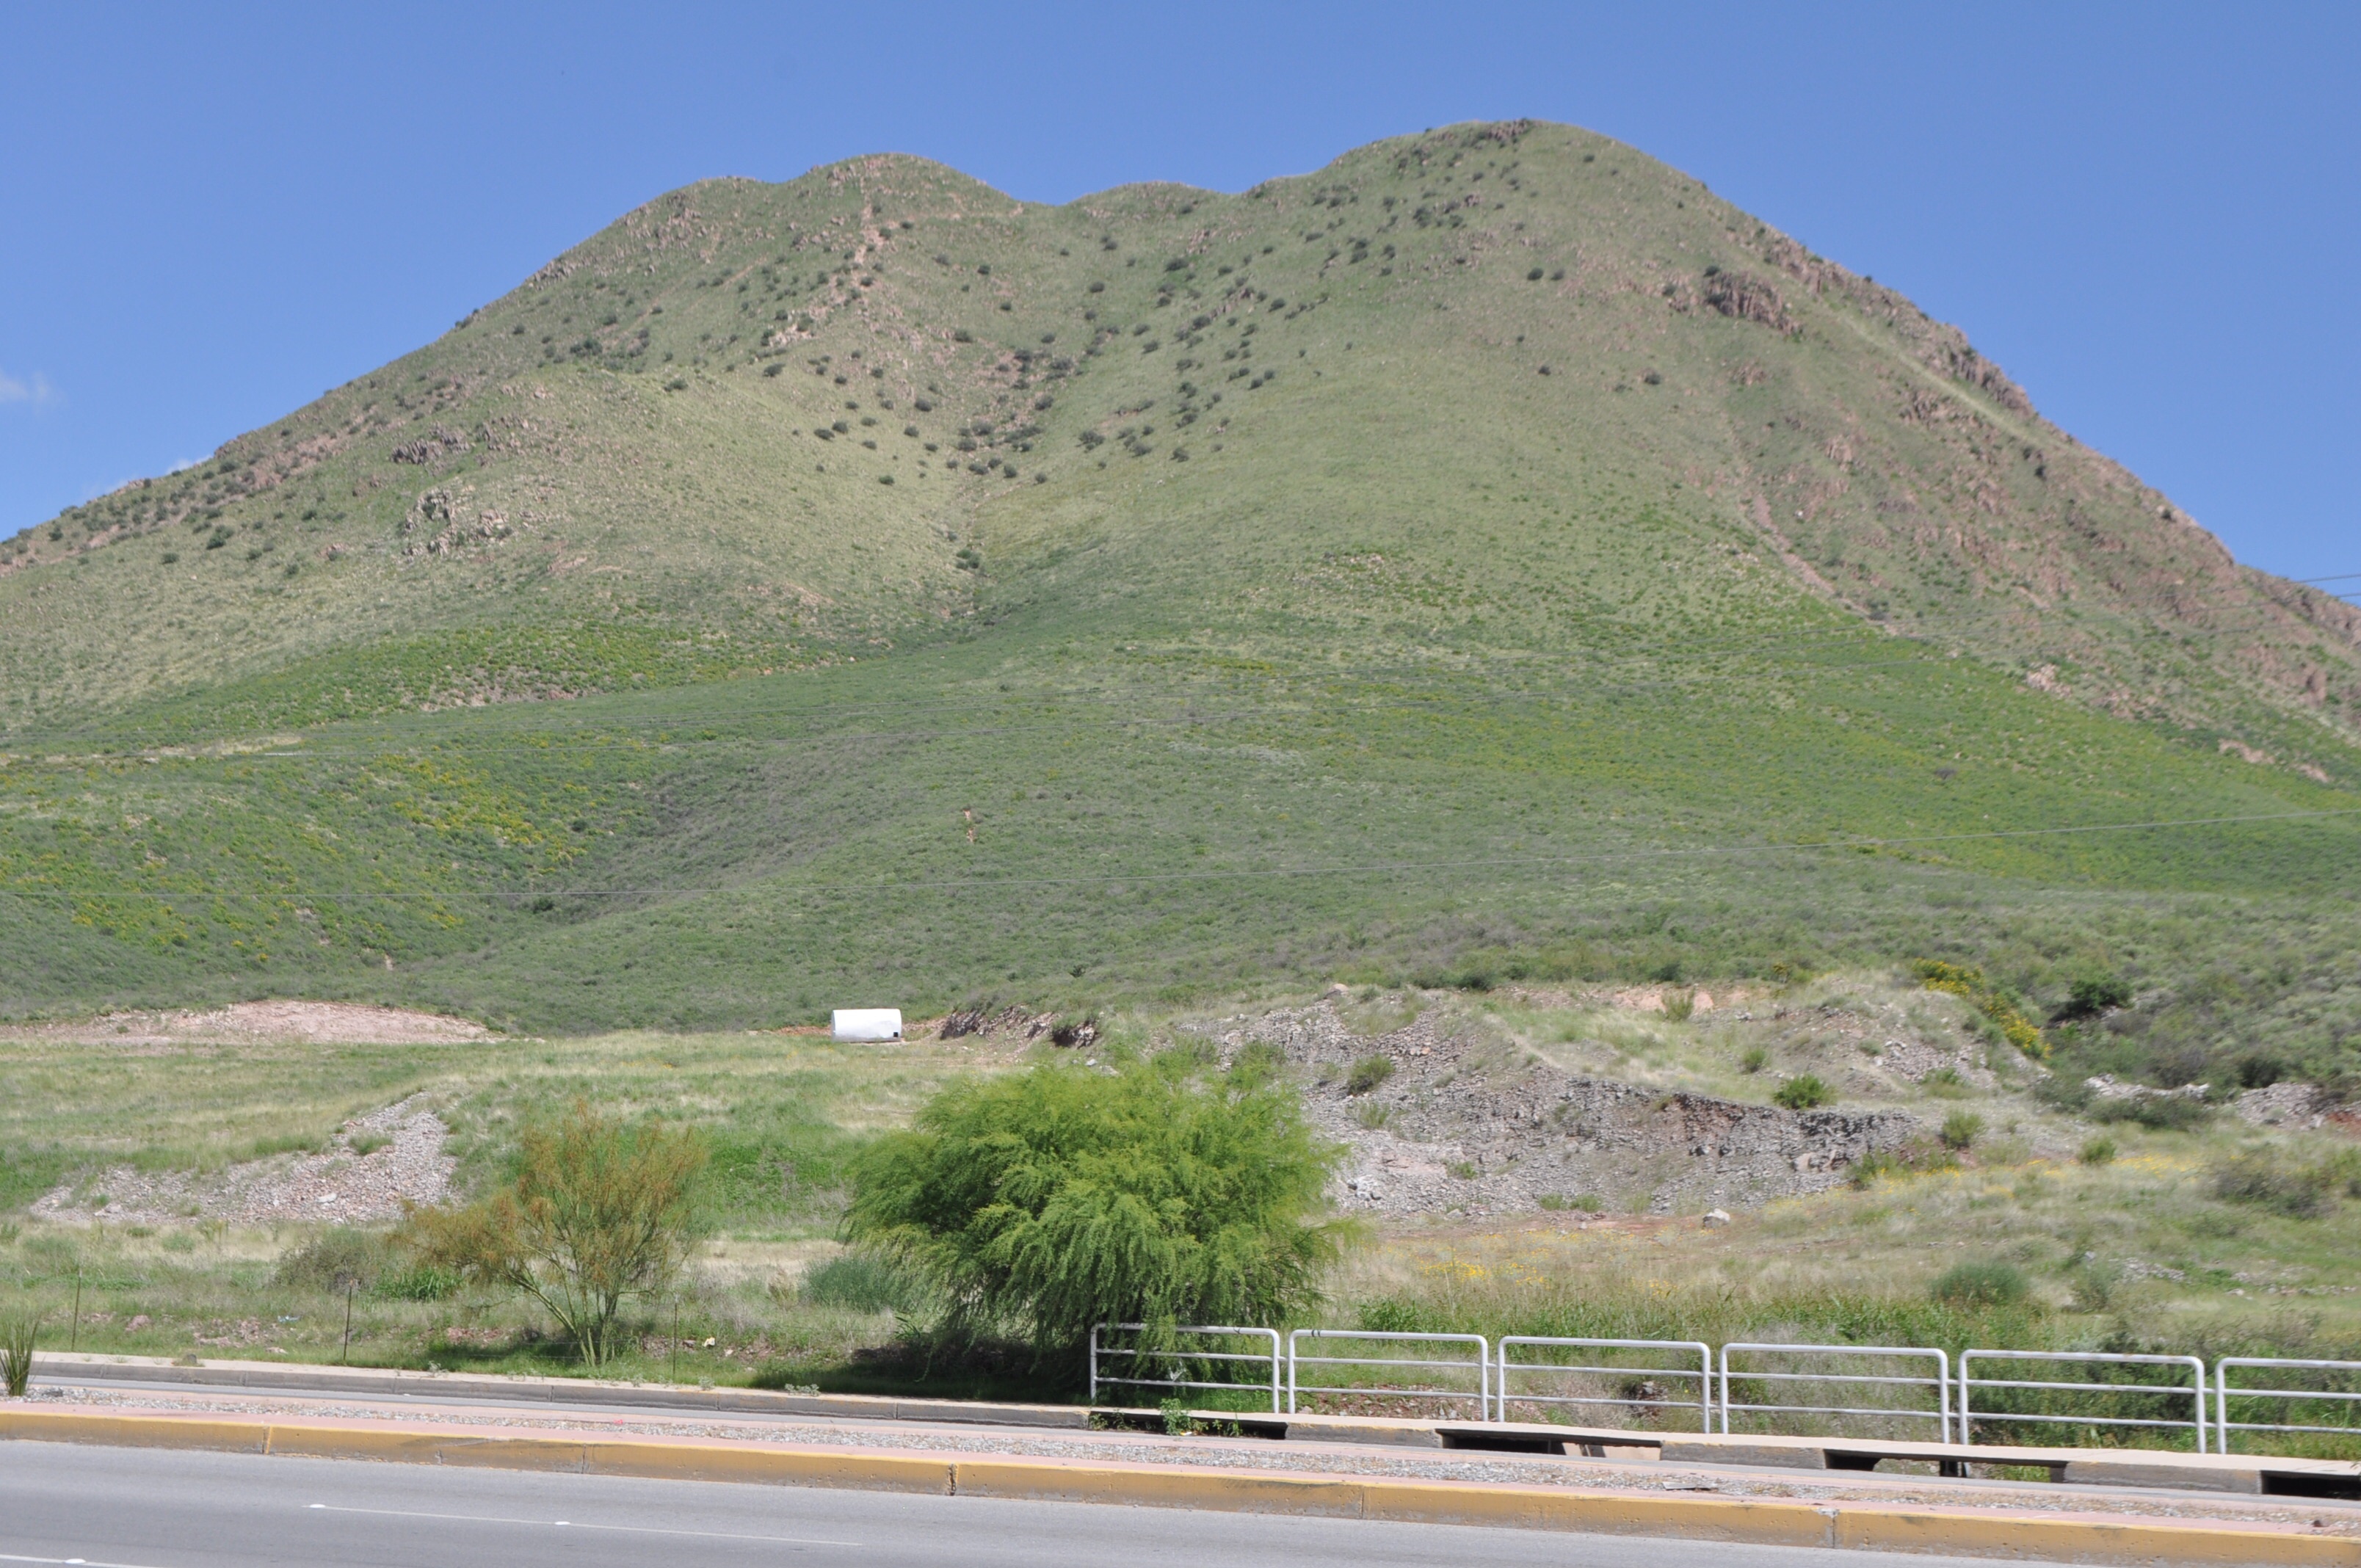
(1469, 1124)
(373, 1166)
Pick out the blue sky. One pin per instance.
(2148, 213)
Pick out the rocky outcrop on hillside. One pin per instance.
(1469, 1124)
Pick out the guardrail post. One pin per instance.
(2198, 1372)
(1094, 1364)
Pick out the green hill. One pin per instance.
(1492, 554)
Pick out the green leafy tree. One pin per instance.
(1064, 1196)
(598, 1210)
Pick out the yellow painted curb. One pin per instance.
(776, 1466)
(526, 1451)
(139, 1431)
(1545, 1507)
(1229, 1491)
(1732, 1519)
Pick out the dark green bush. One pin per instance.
(1804, 1093)
(1368, 1073)
(1048, 1201)
(865, 1282)
(335, 1261)
(2264, 1181)
(2165, 1113)
(1986, 1284)
(420, 1282)
(2259, 1069)
(2091, 994)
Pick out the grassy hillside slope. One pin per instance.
(1492, 550)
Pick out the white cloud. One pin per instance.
(35, 390)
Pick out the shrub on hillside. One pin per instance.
(2165, 1113)
(1962, 1128)
(333, 1262)
(1913, 1158)
(1803, 1092)
(2091, 994)
(1368, 1073)
(1994, 1002)
(1987, 1284)
(2268, 1181)
(1048, 1201)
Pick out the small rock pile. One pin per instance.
(2283, 1105)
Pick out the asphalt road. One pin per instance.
(148, 1509)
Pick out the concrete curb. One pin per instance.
(1950, 1532)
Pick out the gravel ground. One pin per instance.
(1296, 1458)
(340, 1183)
(323, 1022)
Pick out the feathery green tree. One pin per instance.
(1048, 1201)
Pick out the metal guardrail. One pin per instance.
(1626, 1400)
(1941, 1382)
(1180, 1358)
(2193, 1390)
(1481, 1366)
(2347, 1398)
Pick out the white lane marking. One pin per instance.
(625, 1529)
(92, 1562)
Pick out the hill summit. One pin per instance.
(1493, 543)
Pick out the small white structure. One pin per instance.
(868, 1023)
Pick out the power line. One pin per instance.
(1362, 869)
